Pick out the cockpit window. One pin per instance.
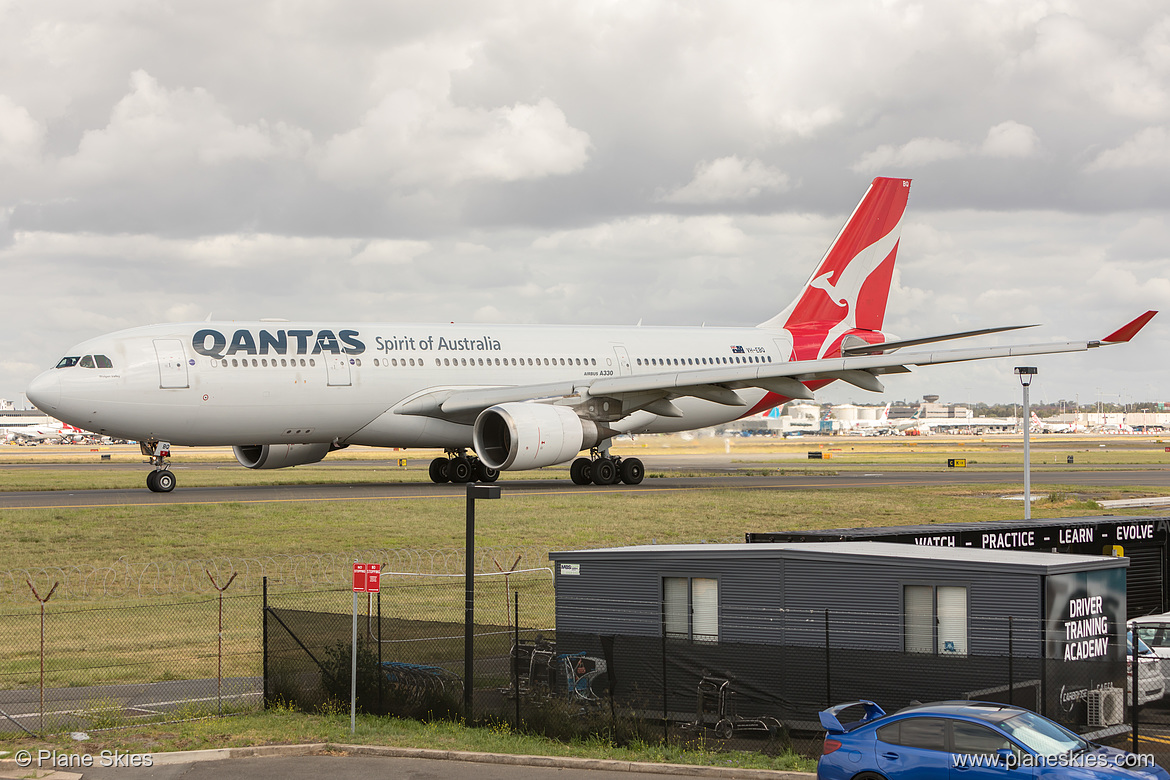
(87, 361)
(103, 361)
(68, 362)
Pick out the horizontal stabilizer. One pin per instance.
(1127, 332)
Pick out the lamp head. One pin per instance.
(483, 491)
(1026, 373)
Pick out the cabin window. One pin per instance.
(935, 619)
(690, 608)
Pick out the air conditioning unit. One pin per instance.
(1106, 706)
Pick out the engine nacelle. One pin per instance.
(279, 456)
(528, 436)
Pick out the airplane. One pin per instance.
(499, 397)
(873, 427)
(36, 434)
(1039, 426)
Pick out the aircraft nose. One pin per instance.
(45, 391)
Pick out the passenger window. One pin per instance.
(925, 733)
(234, 364)
(103, 361)
(87, 361)
(68, 362)
(889, 734)
(974, 740)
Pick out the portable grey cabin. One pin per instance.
(798, 626)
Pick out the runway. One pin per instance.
(721, 473)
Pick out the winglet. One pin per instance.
(1127, 332)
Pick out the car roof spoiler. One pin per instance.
(830, 718)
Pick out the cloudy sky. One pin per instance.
(540, 161)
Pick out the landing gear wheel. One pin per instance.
(485, 473)
(439, 471)
(164, 481)
(604, 471)
(579, 472)
(724, 729)
(152, 481)
(632, 471)
(459, 469)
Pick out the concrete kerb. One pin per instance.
(9, 768)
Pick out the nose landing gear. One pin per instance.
(161, 480)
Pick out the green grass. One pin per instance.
(283, 727)
(561, 518)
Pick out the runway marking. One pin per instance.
(838, 483)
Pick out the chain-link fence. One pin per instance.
(762, 695)
(75, 667)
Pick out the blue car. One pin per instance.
(970, 740)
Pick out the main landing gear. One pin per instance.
(161, 480)
(606, 469)
(460, 467)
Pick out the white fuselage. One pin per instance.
(280, 382)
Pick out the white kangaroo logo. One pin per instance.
(848, 286)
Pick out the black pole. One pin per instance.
(469, 608)
(1011, 670)
(381, 673)
(474, 491)
(264, 646)
(516, 657)
(665, 717)
(1134, 664)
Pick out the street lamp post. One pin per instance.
(1026, 373)
(474, 491)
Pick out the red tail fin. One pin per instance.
(850, 286)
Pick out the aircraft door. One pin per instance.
(337, 369)
(172, 363)
(784, 346)
(623, 360)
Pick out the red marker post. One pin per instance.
(367, 578)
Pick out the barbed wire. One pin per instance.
(157, 578)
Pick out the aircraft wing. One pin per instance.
(653, 392)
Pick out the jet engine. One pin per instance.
(528, 436)
(279, 456)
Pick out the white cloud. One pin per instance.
(390, 252)
(153, 131)
(729, 179)
(1010, 139)
(415, 139)
(21, 136)
(888, 158)
(1149, 148)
